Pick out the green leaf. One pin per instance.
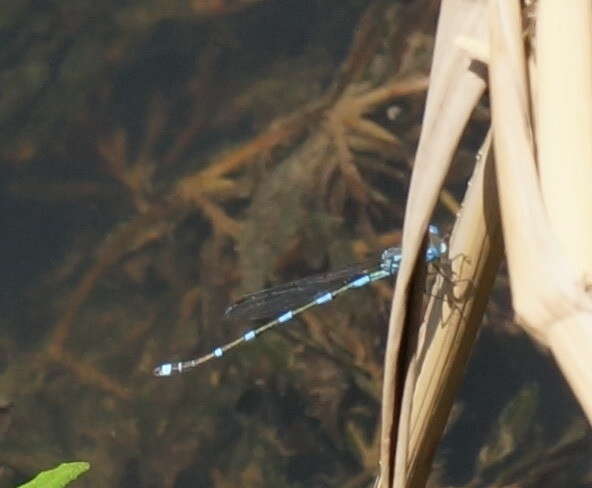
(58, 477)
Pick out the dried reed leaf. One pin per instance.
(454, 315)
(545, 212)
(564, 123)
(457, 87)
(549, 292)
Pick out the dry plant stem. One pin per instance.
(549, 295)
(564, 123)
(455, 89)
(450, 325)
